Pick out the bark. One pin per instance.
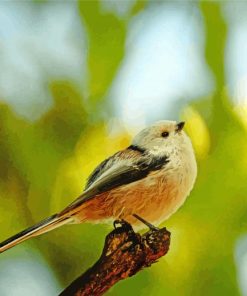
(124, 254)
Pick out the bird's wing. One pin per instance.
(122, 168)
(132, 154)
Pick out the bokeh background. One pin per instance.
(77, 80)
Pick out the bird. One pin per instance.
(146, 183)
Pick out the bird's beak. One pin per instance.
(180, 126)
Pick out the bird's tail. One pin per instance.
(35, 230)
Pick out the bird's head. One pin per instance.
(163, 138)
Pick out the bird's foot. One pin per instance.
(149, 225)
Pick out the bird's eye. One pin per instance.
(165, 134)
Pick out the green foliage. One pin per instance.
(106, 42)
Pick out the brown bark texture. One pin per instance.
(125, 253)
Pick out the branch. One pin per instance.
(124, 254)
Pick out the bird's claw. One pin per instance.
(149, 225)
(120, 223)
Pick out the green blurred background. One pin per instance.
(77, 80)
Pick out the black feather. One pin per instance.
(137, 148)
(141, 170)
(26, 231)
(101, 168)
(98, 171)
